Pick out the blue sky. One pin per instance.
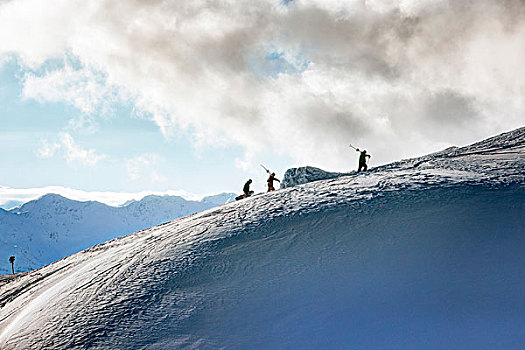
(176, 163)
(112, 100)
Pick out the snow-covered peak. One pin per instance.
(43, 201)
(511, 139)
(471, 159)
(154, 202)
(11, 205)
(220, 199)
(52, 226)
(155, 198)
(52, 203)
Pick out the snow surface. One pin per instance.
(53, 227)
(422, 253)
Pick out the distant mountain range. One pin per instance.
(52, 227)
(11, 204)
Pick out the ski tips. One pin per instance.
(268, 171)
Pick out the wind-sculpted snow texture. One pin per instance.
(423, 253)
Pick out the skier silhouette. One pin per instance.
(246, 188)
(246, 191)
(270, 180)
(362, 160)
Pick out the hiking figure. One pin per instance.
(246, 190)
(362, 160)
(270, 180)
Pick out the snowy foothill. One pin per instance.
(52, 227)
(421, 253)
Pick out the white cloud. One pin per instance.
(75, 153)
(8, 194)
(82, 88)
(146, 168)
(399, 77)
(85, 124)
(48, 150)
(70, 150)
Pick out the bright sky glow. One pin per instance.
(157, 96)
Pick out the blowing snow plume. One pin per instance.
(422, 253)
(297, 78)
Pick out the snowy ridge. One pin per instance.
(52, 227)
(513, 141)
(420, 253)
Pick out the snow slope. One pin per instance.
(423, 253)
(52, 227)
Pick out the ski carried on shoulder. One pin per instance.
(268, 171)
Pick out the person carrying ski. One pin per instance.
(270, 180)
(362, 160)
(246, 188)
